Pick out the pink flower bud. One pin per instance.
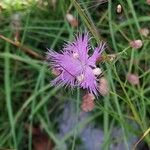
(72, 20)
(103, 86)
(88, 102)
(119, 9)
(136, 44)
(148, 2)
(144, 31)
(133, 79)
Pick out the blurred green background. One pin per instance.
(31, 109)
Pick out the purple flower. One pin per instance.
(77, 67)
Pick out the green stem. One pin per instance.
(77, 117)
(8, 95)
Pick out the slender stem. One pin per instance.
(110, 25)
(8, 95)
(77, 117)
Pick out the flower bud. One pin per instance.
(136, 44)
(144, 31)
(133, 79)
(148, 2)
(119, 9)
(103, 86)
(88, 102)
(72, 20)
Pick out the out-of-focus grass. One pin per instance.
(25, 93)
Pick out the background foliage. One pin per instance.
(26, 97)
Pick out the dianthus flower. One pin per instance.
(77, 66)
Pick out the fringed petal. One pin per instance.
(97, 52)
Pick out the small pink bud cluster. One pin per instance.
(103, 86)
(88, 102)
(144, 31)
(133, 79)
(148, 2)
(136, 44)
(72, 20)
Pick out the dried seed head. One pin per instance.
(133, 79)
(97, 71)
(80, 78)
(119, 9)
(144, 31)
(103, 86)
(88, 102)
(72, 20)
(112, 57)
(136, 44)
